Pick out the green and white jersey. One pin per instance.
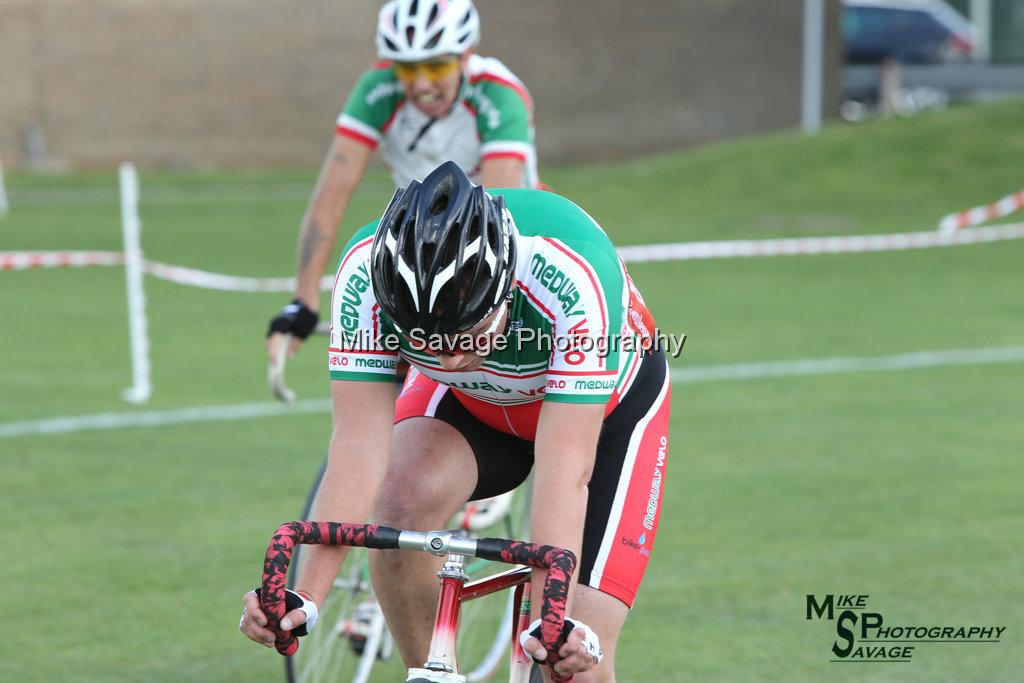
(569, 337)
(492, 117)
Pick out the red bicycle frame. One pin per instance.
(455, 591)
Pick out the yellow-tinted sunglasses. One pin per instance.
(435, 70)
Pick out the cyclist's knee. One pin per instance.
(398, 506)
(414, 500)
(431, 472)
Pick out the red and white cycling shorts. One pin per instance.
(627, 485)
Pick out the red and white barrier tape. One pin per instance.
(981, 214)
(852, 244)
(23, 260)
(227, 283)
(678, 251)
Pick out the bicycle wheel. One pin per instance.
(485, 624)
(350, 635)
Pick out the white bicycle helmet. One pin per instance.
(417, 30)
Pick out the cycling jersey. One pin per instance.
(492, 117)
(576, 332)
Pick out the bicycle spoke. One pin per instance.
(332, 652)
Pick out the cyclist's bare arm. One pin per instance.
(357, 459)
(340, 175)
(502, 172)
(565, 448)
(342, 171)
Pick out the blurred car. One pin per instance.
(909, 31)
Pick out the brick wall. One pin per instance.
(244, 82)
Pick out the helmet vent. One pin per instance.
(432, 15)
(467, 277)
(434, 39)
(405, 298)
(450, 250)
(466, 17)
(410, 34)
(439, 205)
(399, 219)
(390, 44)
(409, 253)
(492, 240)
(414, 7)
(474, 229)
(427, 250)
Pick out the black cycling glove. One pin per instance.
(296, 318)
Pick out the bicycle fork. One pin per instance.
(441, 665)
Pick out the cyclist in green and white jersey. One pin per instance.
(429, 100)
(530, 349)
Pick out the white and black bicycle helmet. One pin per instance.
(417, 30)
(444, 254)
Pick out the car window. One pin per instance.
(906, 21)
(868, 19)
(879, 21)
(928, 23)
(851, 22)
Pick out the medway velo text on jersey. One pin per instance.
(570, 285)
(492, 117)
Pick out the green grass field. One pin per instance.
(128, 549)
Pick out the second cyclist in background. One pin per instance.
(430, 99)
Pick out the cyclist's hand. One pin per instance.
(277, 339)
(581, 651)
(254, 622)
(295, 319)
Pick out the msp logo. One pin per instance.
(863, 636)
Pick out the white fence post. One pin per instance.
(981, 17)
(4, 205)
(141, 388)
(813, 65)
